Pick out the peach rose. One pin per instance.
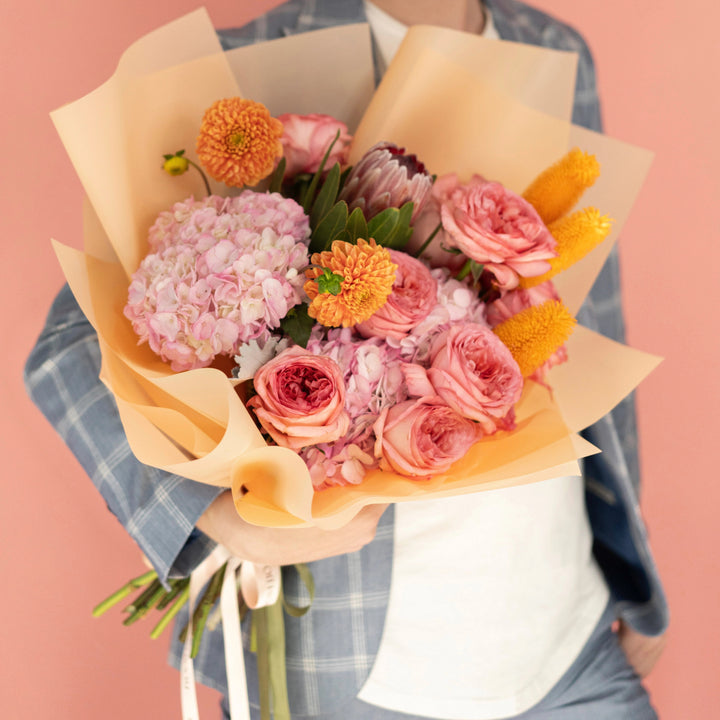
(475, 374)
(413, 296)
(497, 228)
(300, 399)
(422, 437)
(306, 138)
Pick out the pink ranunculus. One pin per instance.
(438, 253)
(497, 228)
(422, 437)
(305, 141)
(475, 374)
(300, 399)
(413, 296)
(512, 302)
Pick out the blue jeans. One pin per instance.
(599, 685)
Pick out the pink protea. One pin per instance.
(386, 177)
(223, 271)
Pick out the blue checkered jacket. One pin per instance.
(331, 650)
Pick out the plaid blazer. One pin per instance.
(331, 650)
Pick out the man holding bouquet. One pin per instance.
(523, 630)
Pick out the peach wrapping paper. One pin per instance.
(461, 103)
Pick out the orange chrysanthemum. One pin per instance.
(239, 141)
(367, 275)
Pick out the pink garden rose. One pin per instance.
(497, 228)
(475, 374)
(306, 138)
(422, 437)
(300, 399)
(413, 296)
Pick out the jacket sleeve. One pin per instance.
(158, 509)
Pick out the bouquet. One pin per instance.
(365, 316)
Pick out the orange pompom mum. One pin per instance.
(367, 274)
(239, 141)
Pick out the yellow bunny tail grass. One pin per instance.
(535, 333)
(556, 190)
(576, 234)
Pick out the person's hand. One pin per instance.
(642, 651)
(285, 546)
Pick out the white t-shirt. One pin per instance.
(492, 595)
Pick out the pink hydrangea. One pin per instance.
(222, 272)
(371, 366)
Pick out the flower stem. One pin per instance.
(464, 270)
(424, 246)
(143, 604)
(202, 175)
(182, 598)
(123, 592)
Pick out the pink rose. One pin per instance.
(513, 302)
(475, 374)
(497, 228)
(437, 254)
(300, 399)
(413, 296)
(422, 437)
(306, 138)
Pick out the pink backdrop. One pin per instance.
(63, 551)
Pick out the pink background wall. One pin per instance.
(62, 551)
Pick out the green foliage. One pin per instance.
(297, 325)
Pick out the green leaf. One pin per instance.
(276, 178)
(297, 325)
(330, 226)
(357, 226)
(400, 235)
(383, 224)
(326, 197)
(476, 270)
(344, 176)
(310, 194)
(329, 282)
(180, 153)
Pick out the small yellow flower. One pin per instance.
(535, 333)
(176, 165)
(576, 236)
(556, 190)
(239, 141)
(367, 275)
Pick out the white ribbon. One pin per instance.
(260, 587)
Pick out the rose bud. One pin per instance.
(305, 141)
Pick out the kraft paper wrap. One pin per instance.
(461, 103)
